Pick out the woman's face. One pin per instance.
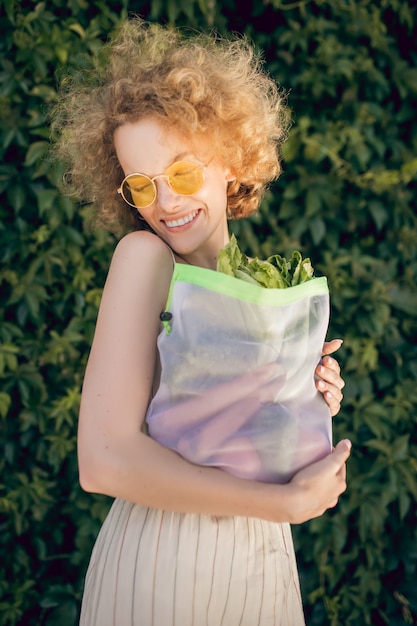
(194, 226)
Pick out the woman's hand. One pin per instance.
(318, 486)
(328, 381)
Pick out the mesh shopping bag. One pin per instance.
(237, 387)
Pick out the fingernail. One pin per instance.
(321, 384)
(341, 340)
(348, 443)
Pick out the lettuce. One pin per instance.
(274, 273)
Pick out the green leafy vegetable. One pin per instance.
(274, 273)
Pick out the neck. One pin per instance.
(181, 257)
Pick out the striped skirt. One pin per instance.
(155, 568)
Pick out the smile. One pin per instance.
(182, 220)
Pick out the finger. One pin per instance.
(331, 393)
(329, 371)
(337, 459)
(331, 346)
(333, 504)
(335, 393)
(332, 402)
(340, 456)
(341, 452)
(331, 363)
(342, 472)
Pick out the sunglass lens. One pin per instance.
(138, 191)
(185, 178)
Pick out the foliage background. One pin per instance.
(347, 198)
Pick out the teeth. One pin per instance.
(182, 220)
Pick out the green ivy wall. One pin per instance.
(347, 198)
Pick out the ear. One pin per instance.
(229, 176)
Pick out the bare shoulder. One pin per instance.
(143, 254)
(144, 264)
(143, 245)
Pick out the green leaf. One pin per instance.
(16, 196)
(274, 273)
(8, 357)
(9, 6)
(317, 229)
(37, 151)
(403, 299)
(46, 199)
(5, 402)
(379, 213)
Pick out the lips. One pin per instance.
(181, 221)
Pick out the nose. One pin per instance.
(166, 197)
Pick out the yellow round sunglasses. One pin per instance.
(184, 177)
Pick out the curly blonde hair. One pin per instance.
(204, 86)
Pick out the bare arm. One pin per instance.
(117, 459)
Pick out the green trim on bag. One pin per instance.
(238, 288)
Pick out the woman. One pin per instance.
(174, 137)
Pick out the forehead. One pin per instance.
(149, 146)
